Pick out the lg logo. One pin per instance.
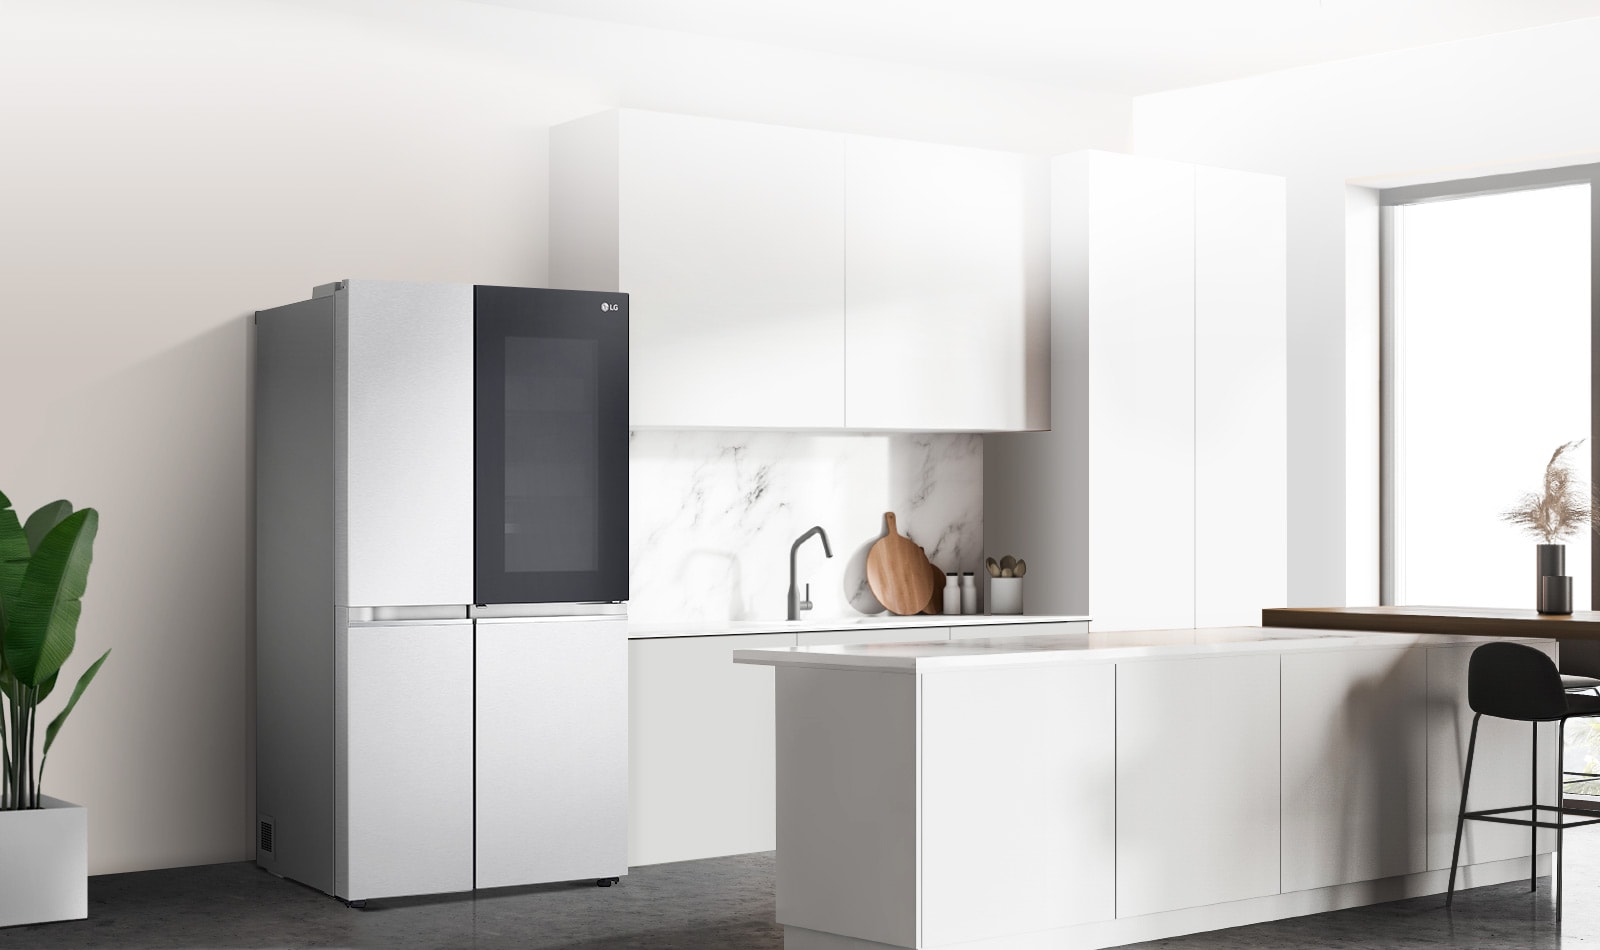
(611, 306)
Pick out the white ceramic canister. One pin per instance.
(1005, 595)
(969, 593)
(952, 594)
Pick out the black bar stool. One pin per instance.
(1514, 681)
(1580, 671)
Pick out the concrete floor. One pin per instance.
(717, 904)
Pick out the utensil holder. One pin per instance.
(1005, 595)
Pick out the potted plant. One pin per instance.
(1558, 512)
(44, 569)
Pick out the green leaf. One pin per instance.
(77, 691)
(14, 552)
(46, 687)
(46, 518)
(43, 626)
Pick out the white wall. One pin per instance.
(170, 166)
(1500, 103)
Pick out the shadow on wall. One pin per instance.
(161, 447)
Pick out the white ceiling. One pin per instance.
(1126, 47)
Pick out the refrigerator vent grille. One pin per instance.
(266, 832)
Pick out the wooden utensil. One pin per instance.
(897, 572)
(935, 599)
(992, 566)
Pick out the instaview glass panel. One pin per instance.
(552, 470)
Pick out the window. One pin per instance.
(1487, 365)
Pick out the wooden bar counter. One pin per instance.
(1577, 634)
(1465, 621)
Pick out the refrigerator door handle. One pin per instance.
(403, 613)
(549, 611)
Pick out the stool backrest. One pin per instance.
(1514, 681)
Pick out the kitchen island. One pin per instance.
(1091, 790)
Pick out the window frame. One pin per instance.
(1391, 476)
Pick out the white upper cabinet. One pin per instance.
(938, 286)
(793, 279)
(729, 241)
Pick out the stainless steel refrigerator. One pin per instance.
(441, 587)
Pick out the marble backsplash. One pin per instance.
(713, 513)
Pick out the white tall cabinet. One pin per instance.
(1241, 420)
(805, 279)
(1158, 499)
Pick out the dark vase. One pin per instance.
(1554, 597)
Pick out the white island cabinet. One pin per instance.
(1197, 777)
(701, 746)
(1071, 792)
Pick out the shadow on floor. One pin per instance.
(716, 904)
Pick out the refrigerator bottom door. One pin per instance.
(552, 750)
(404, 756)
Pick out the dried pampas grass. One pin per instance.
(1562, 510)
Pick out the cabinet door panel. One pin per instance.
(1240, 398)
(936, 286)
(731, 247)
(1018, 803)
(1197, 792)
(1354, 781)
(1141, 369)
(407, 757)
(552, 750)
(702, 753)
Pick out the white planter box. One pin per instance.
(46, 872)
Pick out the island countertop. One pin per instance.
(1091, 647)
(648, 629)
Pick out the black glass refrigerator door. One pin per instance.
(551, 446)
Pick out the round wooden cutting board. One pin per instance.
(898, 572)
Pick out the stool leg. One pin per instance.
(1561, 816)
(1533, 836)
(1461, 814)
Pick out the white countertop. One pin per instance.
(723, 628)
(1080, 647)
